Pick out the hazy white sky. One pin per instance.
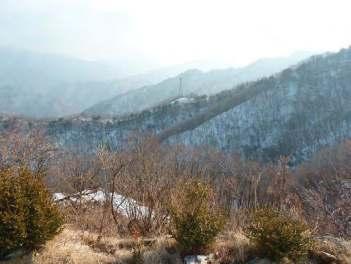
(170, 32)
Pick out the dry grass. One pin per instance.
(335, 246)
(90, 217)
(233, 248)
(81, 247)
(69, 248)
(163, 251)
(78, 247)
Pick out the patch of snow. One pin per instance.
(58, 196)
(183, 100)
(125, 206)
(198, 259)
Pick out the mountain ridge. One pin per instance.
(190, 82)
(293, 113)
(45, 85)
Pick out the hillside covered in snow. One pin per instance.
(293, 113)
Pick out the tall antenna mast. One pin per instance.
(180, 91)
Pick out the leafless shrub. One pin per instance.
(31, 150)
(325, 189)
(145, 170)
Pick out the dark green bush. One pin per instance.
(195, 216)
(277, 235)
(28, 217)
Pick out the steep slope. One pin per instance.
(191, 82)
(294, 113)
(81, 133)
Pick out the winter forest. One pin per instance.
(210, 132)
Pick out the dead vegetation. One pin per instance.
(74, 246)
(317, 192)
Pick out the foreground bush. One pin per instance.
(276, 235)
(196, 218)
(28, 218)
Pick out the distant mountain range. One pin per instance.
(191, 82)
(293, 113)
(45, 85)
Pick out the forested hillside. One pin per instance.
(294, 113)
(191, 82)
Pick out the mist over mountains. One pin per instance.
(192, 82)
(45, 85)
(160, 131)
(293, 113)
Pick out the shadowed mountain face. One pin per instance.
(191, 82)
(295, 113)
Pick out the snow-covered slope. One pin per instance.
(295, 113)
